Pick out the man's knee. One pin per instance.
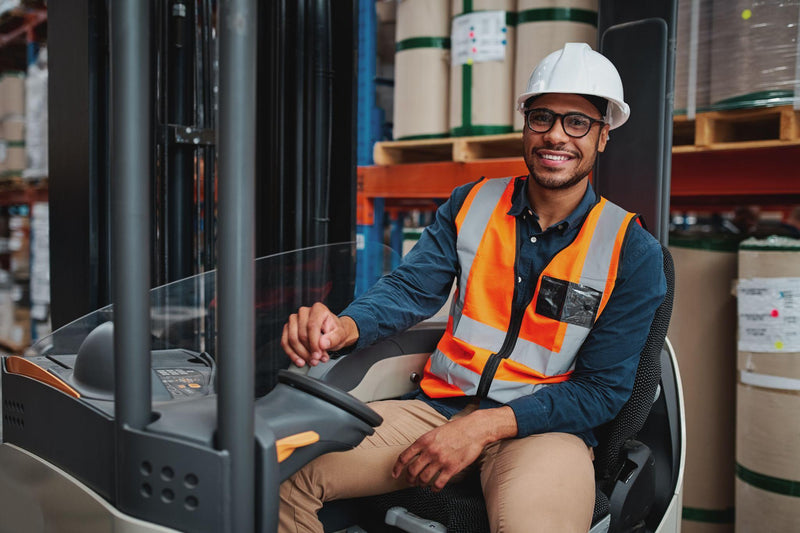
(539, 483)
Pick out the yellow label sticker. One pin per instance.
(779, 345)
(746, 14)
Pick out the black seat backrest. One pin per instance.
(631, 418)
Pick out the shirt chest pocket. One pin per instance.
(568, 302)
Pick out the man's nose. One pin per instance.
(556, 134)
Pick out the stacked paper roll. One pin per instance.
(482, 70)
(768, 389)
(422, 69)
(754, 52)
(703, 332)
(693, 56)
(545, 26)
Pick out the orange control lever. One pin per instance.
(287, 445)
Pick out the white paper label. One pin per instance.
(769, 315)
(479, 37)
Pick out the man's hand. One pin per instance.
(445, 451)
(312, 331)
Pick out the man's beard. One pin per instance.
(546, 182)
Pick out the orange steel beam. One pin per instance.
(431, 180)
(757, 172)
(769, 176)
(32, 18)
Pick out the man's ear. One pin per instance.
(602, 140)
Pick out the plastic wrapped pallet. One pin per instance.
(40, 270)
(545, 26)
(693, 56)
(422, 69)
(703, 333)
(36, 118)
(482, 71)
(768, 388)
(754, 59)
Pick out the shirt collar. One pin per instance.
(520, 204)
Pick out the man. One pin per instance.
(557, 289)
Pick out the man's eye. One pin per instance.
(577, 121)
(541, 117)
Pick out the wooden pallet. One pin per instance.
(458, 149)
(737, 129)
(714, 130)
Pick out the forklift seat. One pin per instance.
(625, 470)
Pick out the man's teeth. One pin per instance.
(555, 157)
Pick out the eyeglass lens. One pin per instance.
(574, 124)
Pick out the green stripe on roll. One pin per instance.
(710, 516)
(422, 42)
(756, 99)
(551, 14)
(713, 242)
(777, 485)
(423, 137)
(466, 131)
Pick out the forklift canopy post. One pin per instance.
(131, 166)
(236, 252)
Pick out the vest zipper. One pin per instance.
(517, 314)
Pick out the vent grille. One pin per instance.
(165, 484)
(13, 414)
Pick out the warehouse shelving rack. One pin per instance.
(712, 167)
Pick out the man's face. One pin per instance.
(554, 159)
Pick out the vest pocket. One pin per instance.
(568, 302)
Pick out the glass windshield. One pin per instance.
(183, 313)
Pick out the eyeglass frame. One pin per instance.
(592, 121)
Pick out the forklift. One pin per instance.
(199, 435)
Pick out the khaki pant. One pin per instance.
(539, 483)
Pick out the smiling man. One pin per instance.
(557, 289)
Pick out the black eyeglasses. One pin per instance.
(575, 125)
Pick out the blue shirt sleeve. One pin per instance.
(417, 288)
(605, 367)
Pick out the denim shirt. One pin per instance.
(606, 364)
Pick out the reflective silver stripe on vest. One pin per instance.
(505, 391)
(467, 380)
(598, 257)
(471, 233)
(454, 374)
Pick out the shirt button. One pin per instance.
(533, 239)
(519, 279)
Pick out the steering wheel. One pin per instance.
(332, 395)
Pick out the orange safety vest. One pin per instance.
(492, 350)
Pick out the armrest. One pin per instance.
(389, 368)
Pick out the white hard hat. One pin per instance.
(580, 70)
